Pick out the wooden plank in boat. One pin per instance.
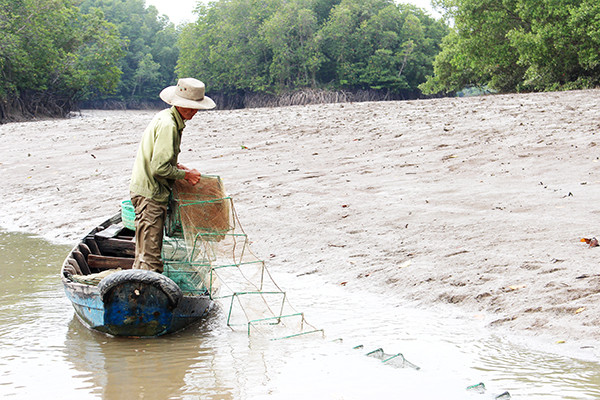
(110, 232)
(81, 261)
(91, 243)
(106, 262)
(117, 247)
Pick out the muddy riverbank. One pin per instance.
(477, 203)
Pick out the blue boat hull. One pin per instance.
(125, 302)
(151, 315)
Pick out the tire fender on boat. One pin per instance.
(144, 277)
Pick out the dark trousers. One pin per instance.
(149, 225)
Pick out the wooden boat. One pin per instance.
(111, 297)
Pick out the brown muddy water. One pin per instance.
(45, 353)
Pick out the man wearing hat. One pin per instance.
(156, 169)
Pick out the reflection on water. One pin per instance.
(144, 368)
(46, 353)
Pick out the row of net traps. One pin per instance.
(206, 251)
(397, 360)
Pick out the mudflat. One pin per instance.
(478, 204)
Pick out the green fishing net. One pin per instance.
(206, 252)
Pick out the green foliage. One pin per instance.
(377, 44)
(290, 35)
(123, 50)
(452, 70)
(49, 47)
(149, 43)
(276, 45)
(98, 56)
(225, 48)
(519, 45)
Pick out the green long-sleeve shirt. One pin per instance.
(155, 167)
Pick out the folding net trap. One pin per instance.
(206, 251)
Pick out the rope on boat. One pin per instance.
(93, 279)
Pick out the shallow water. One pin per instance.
(46, 353)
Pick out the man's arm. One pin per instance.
(163, 154)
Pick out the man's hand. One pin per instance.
(192, 176)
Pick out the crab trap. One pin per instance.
(206, 251)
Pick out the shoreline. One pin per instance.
(477, 203)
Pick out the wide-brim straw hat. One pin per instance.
(189, 93)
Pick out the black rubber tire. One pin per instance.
(170, 288)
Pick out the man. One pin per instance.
(156, 168)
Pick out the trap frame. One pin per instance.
(206, 251)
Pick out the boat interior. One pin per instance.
(105, 248)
